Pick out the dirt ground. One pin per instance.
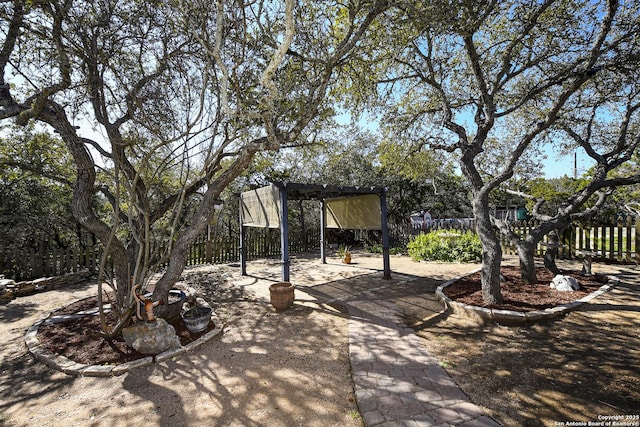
(580, 368)
(292, 368)
(267, 368)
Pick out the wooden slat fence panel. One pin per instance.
(616, 241)
(31, 264)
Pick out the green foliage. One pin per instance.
(554, 191)
(374, 249)
(355, 156)
(445, 246)
(35, 192)
(396, 250)
(377, 249)
(343, 250)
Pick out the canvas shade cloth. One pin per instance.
(261, 207)
(357, 212)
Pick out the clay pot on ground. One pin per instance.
(282, 295)
(343, 252)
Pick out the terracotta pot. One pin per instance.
(282, 295)
(347, 258)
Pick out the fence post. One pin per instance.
(612, 238)
(566, 243)
(627, 231)
(637, 239)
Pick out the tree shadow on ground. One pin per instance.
(24, 380)
(288, 368)
(263, 367)
(17, 310)
(571, 369)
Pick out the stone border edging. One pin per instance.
(510, 317)
(69, 367)
(11, 289)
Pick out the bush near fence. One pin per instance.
(616, 241)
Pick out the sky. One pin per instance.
(556, 166)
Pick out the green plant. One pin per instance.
(377, 249)
(354, 414)
(445, 246)
(445, 364)
(196, 312)
(374, 249)
(343, 250)
(396, 250)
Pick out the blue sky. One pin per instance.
(556, 166)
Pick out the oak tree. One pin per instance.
(491, 82)
(139, 91)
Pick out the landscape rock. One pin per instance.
(6, 290)
(6, 282)
(564, 283)
(151, 337)
(11, 289)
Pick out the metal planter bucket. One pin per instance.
(197, 319)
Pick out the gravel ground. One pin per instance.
(267, 368)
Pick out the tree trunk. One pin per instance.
(552, 252)
(491, 253)
(526, 253)
(82, 209)
(178, 258)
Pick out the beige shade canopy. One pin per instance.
(261, 207)
(355, 212)
(361, 208)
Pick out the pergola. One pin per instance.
(341, 207)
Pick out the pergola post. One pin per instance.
(284, 234)
(243, 246)
(385, 235)
(323, 240)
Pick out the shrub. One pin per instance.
(396, 250)
(445, 246)
(377, 249)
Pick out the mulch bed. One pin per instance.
(524, 298)
(81, 341)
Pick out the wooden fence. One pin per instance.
(31, 264)
(618, 241)
(401, 234)
(260, 243)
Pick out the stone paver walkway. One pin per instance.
(397, 383)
